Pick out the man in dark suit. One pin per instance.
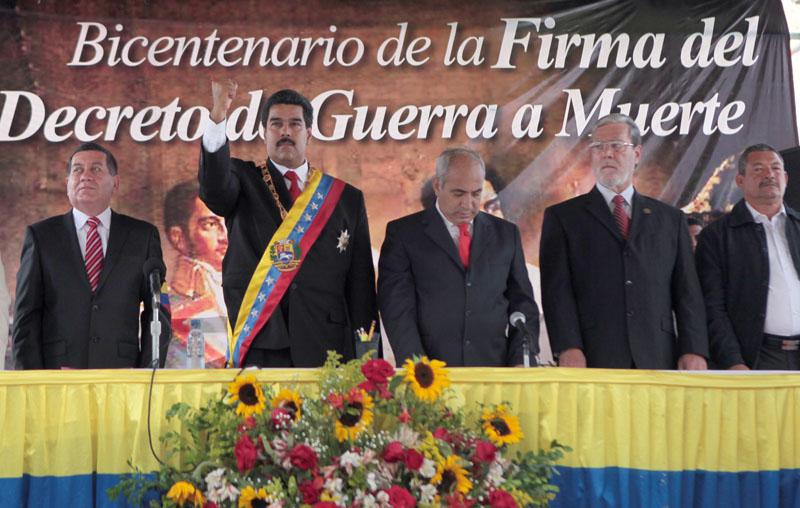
(450, 276)
(325, 289)
(81, 282)
(748, 262)
(617, 269)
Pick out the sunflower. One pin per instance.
(249, 394)
(450, 475)
(290, 401)
(501, 427)
(355, 415)
(184, 492)
(252, 498)
(427, 378)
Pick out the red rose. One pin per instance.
(303, 457)
(210, 504)
(413, 459)
(457, 500)
(336, 400)
(310, 491)
(325, 504)
(246, 453)
(280, 418)
(393, 452)
(378, 371)
(441, 433)
(400, 498)
(485, 451)
(405, 416)
(501, 499)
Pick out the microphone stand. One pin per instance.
(155, 331)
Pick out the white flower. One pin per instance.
(372, 481)
(428, 468)
(368, 501)
(350, 460)
(427, 493)
(495, 474)
(406, 436)
(334, 486)
(215, 478)
(382, 497)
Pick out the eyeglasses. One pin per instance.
(615, 146)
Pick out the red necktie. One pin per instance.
(294, 189)
(620, 216)
(94, 253)
(464, 240)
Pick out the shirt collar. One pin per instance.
(302, 170)
(81, 218)
(760, 217)
(447, 223)
(609, 194)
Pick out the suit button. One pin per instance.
(468, 313)
(294, 285)
(95, 340)
(467, 343)
(95, 307)
(630, 313)
(629, 283)
(469, 284)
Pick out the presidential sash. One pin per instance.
(282, 259)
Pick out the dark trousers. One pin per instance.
(268, 358)
(777, 359)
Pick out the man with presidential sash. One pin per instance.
(297, 277)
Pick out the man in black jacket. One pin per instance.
(748, 262)
(450, 276)
(80, 282)
(616, 265)
(297, 276)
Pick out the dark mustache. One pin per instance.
(285, 141)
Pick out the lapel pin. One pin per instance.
(647, 211)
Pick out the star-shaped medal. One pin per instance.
(344, 240)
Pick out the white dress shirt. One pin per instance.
(609, 195)
(783, 297)
(82, 228)
(452, 228)
(214, 138)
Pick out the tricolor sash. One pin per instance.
(282, 259)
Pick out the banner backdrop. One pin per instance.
(393, 83)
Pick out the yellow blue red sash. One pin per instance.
(282, 259)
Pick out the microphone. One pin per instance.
(154, 270)
(517, 320)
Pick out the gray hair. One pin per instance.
(741, 164)
(633, 129)
(443, 161)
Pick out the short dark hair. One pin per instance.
(693, 220)
(178, 204)
(291, 98)
(741, 165)
(111, 162)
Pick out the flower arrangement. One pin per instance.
(369, 438)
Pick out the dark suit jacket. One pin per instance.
(615, 299)
(331, 296)
(431, 306)
(733, 265)
(58, 322)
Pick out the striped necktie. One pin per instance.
(94, 253)
(620, 216)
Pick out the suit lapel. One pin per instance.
(639, 214)
(75, 248)
(437, 231)
(482, 237)
(116, 241)
(596, 205)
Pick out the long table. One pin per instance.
(639, 438)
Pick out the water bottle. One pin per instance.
(196, 347)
